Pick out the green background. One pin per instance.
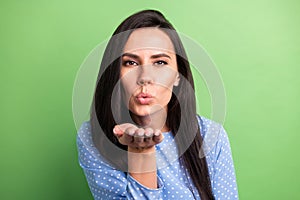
(255, 45)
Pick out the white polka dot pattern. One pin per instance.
(106, 182)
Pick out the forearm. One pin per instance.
(142, 166)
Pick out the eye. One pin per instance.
(160, 62)
(129, 63)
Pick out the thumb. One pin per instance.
(117, 131)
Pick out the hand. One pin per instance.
(137, 138)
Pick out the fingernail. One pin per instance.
(157, 132)
(130, 132)
(140, 132)
(147, 134)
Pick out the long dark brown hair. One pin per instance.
(181, 113)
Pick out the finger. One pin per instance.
(149, 132)
(126, 139)
(157, 132)
(139, 135)
(147, 140)
(131, 130)
(158, 136)
(125, 126)
(117, 131)
(148, 135)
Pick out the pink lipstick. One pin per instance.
(144, 98)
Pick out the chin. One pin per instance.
(144, 111)
(141, 113)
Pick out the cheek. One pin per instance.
(128, 82)
(166, 82)
(166, 77)
(165, 95)
(126, 90)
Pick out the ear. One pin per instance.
(176, 83)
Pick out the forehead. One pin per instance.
(149, 38)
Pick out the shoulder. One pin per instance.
(89, 156)
(208, 126)
(84, 135)
(213, 134)
(84, 132)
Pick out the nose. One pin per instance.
(145, 76)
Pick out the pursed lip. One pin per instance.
(144, 95)
(144, 98)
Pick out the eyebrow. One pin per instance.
(152, 57)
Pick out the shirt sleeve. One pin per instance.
(224, 179)
(106, 182)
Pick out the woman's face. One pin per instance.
(148, 71)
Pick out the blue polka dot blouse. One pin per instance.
(106, 182)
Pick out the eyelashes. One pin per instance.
(133, 63)
(160, 62)
(129, 63)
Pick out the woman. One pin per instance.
(144, 138)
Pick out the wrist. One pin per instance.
(141, 160)
(141, 150)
